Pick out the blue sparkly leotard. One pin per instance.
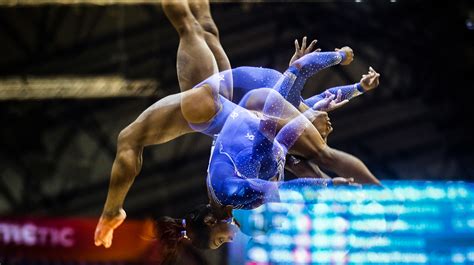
(247, 162)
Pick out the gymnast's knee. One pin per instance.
(255, 99)
(127, 139)
(208, 25)
(190, 27)
(199, 105)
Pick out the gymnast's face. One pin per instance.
(222, 232)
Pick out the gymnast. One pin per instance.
(141, 133)
(247, 161)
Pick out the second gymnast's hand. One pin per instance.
(349, 54)
(302, 51)
(105, 228)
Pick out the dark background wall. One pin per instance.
(56, 154)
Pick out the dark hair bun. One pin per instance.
(168, 233)
(170, 239)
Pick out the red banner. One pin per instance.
(72, 239)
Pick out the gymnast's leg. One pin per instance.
(195, 60)
(202, 12)
(164, 120)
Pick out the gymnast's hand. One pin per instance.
(302, 51)
(105, 228)
(370, 80)
(349, 54)
(330, 102)
(344, 182)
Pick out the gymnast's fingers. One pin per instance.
(340, 104)
(329, 95)
(374, 79)
(377, 79)
(303, 43)
(326, 101)
(339, 95)
(311, 46)
(297, 46)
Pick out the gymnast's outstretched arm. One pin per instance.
(304, 67)
(308, 168)
(345, 92)
(368, 82)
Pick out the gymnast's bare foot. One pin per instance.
(106, 226)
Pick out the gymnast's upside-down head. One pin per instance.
(202, 228)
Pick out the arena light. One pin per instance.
(75, 87)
